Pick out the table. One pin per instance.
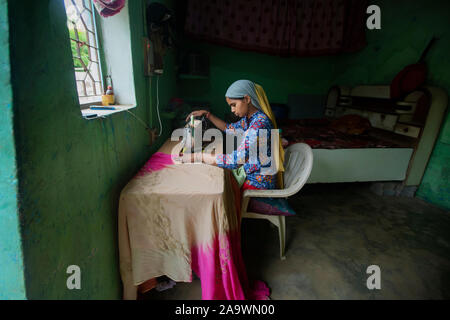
(179, 218)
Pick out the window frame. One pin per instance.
(106, 62)
(95, 99)
(102, 58)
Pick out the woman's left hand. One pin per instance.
(205, 157)
(188, 157)
(209, 159)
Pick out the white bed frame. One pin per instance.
(380, 164)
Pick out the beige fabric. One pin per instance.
(164, 213)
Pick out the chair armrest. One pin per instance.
(276, 193)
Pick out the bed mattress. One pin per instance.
(319, 135)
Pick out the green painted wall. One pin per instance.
(278, 76)
(166, 88)
(407, 26)
(12, 285)
(71, 171)
(435, 186)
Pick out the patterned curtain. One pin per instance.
(108, 8)
(281, 27)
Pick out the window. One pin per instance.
(108, 46)
(85, 50)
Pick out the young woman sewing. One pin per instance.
(249, 102)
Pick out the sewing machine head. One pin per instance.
(191, 126)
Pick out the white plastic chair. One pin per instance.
(298, 162)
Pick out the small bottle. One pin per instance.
(108, 97)
(109, 91)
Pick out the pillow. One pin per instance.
(270, 206)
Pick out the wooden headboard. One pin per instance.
(418, 116)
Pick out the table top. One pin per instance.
(179, 178)
(164, 214)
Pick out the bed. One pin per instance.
(395, 146)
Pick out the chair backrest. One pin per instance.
(298, 164)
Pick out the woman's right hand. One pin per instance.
(197, 113)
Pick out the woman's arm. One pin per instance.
(219, 123)
(242, 156)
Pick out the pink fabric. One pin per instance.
(221, 268)
(156, 162)
(222, 271)
(281, 27)
(109, 8)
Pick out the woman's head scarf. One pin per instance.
(240, 89)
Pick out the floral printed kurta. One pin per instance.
(253, 136)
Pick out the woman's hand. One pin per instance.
(197, 157)
(220, 124)
(210, 159)
(188, 157)
(197, 113)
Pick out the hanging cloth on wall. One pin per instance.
(109, 8)
(280, 27)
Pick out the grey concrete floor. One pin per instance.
(340, 230)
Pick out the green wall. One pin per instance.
(407, 26)
(71, 170)
(12, 285)
(278, 76)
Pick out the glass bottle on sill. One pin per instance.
(108, 97)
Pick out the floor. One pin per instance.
(340, 230)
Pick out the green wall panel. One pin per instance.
(445, 133)
(278, 76)
(435, 187)
(71, 170)
(12, 285)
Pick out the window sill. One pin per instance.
(90, 114)
(86, 102)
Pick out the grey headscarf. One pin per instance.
(241, 88)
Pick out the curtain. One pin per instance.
(108, 8)
(281, 27)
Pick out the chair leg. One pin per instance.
(282, 235)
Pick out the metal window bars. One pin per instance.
(84, 46)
